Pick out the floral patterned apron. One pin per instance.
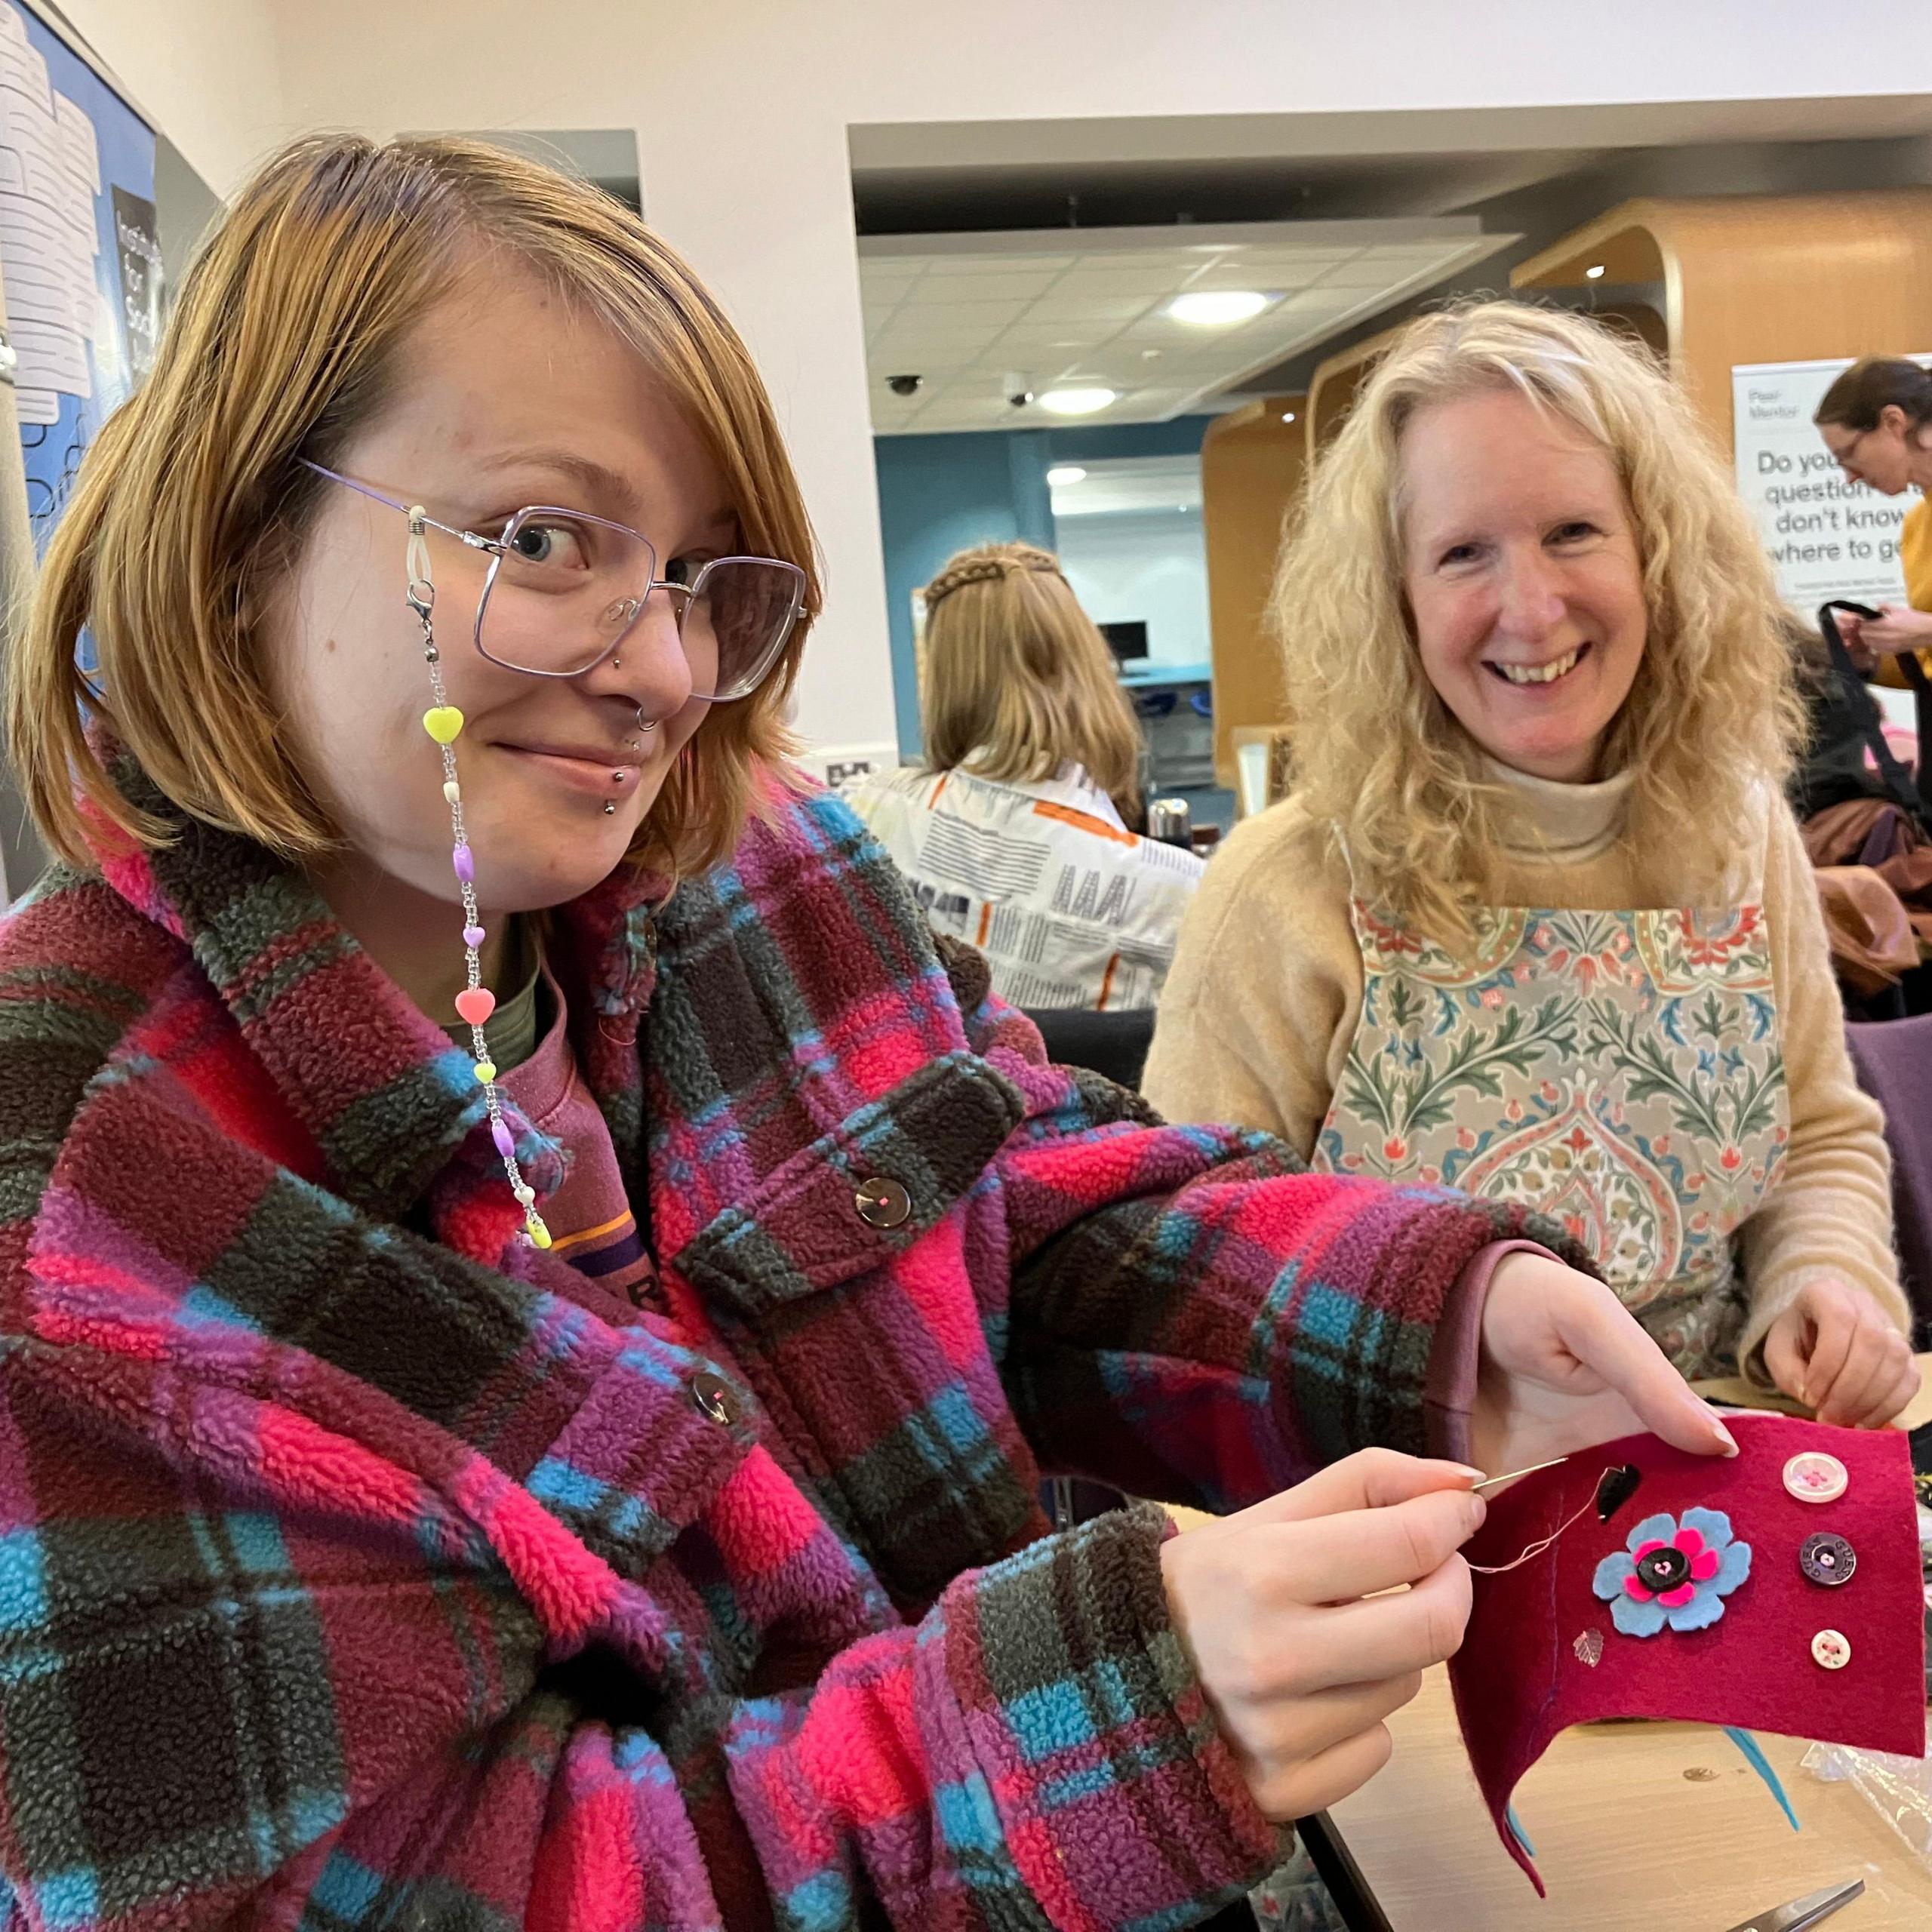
(1621, 1071)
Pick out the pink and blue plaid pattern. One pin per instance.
(361, 1567)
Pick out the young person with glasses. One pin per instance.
(579, 1465)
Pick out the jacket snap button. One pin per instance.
(884, 1203)
(713, 1395)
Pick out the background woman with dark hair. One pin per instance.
(1876, 420)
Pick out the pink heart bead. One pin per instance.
(476, 1003)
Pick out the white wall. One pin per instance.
(207, 72)
(741, 108)
(1149, 564)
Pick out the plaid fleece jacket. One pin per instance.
(363, 1567)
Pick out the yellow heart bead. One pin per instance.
(485, 1070)
(443, 722)
(539, 1235)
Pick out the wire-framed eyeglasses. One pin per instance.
(565, 588)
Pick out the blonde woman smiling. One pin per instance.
(1535, 923)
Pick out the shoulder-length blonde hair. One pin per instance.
(1712, 717)
(1014, 671)
(194, 497)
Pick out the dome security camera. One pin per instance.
(904, 385)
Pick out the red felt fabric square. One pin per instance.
(1519, 1679)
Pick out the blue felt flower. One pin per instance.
(1673, 1572)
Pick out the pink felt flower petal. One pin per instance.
(1688, 1540)
(1643, 1549)
(1705, 1565)
(1677, 1598)
(1635, 1591)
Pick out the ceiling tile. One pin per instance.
(1073, 307)
(953, 265)
(965, 312)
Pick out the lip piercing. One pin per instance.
(610, 810)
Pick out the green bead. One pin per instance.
(485, 1070)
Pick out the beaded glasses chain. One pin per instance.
(476, 1003)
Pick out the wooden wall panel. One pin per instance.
(1331, 390)
(1762, 278)
(1251, 464)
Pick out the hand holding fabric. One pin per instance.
(1564, 1365)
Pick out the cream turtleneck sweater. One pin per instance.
(1265, 994)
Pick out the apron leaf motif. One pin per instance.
(1619, 1070)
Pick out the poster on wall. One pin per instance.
(1827, 536)
(78, 251)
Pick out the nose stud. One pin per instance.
(610, 810)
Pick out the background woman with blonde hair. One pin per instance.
(1535, 922)
(1017, 830)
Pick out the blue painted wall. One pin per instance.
(938, 494)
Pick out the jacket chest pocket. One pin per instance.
(843, 1280)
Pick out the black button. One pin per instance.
(1666, 1569)
(883, 1203)
(712, 1394)
(1615, 1487)
(1827, 1559)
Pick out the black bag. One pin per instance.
(1852, 702)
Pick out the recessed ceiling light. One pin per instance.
(1594, 272)
(1077, 402)
(1064, 473)
(1287, 415)
(1217, 308)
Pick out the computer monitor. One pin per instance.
(1127, 642)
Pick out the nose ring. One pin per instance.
(645, 723)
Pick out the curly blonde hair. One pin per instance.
(1712, 716)
(1014, 671)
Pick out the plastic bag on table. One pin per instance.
(1900, 1787)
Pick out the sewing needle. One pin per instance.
(1490, 1482)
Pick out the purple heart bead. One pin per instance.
(465, 862)
(473, 936)
(505, 1141)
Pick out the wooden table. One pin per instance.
(1631, 1831)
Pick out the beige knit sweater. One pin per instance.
(1265, 991)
